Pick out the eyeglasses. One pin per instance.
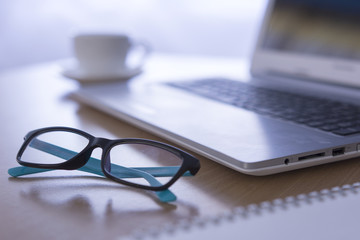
(139, 163)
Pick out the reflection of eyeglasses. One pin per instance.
(138, 163)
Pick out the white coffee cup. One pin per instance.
(107, 54)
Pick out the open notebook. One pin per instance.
(329, 214)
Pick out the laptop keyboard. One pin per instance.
(327, 115)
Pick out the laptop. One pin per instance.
(298, 106)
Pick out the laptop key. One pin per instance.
(346, 131)
(329, 127)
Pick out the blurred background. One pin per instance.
(36, 31)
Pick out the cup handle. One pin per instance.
(136, 60)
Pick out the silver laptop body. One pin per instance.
(304, 47)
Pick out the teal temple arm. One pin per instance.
(93, 166)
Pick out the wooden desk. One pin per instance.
(74, 205)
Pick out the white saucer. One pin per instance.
(84, 77)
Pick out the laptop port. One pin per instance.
(338, 151)
(316, 155)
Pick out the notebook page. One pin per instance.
(330, 214)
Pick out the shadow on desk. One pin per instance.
(91, 199)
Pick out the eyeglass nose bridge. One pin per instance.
(100, 142)
(82, 158)
(104, 144)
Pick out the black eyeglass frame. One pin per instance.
(189, 162)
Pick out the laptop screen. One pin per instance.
(328, 28)
(316, 40)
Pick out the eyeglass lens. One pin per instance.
(142, 156)
(36, 150)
